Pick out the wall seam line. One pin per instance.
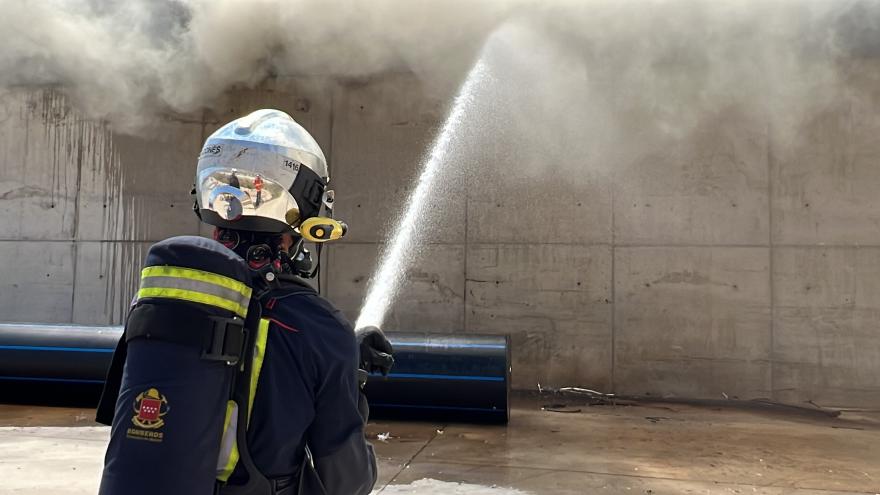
(465, 264)
(771, 249)
(76, 213)
(613, 293)
(331, 116)
(860, 247)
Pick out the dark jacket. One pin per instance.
(308, 396)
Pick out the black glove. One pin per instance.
(376, 351)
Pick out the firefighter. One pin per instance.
(259, 178)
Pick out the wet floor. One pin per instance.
(647, 448)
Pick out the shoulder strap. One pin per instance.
(258, 483)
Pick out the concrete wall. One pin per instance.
(728, 264)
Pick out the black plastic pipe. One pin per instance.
(444, 376)
(435, 376)
(56, 353)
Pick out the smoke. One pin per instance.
(591, 85)
(129, 61)
(603, 68)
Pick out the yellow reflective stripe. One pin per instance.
(193, 296)
(256, 367)
(200, 275)
(232, 460)
(259, 355)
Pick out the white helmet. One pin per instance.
(261, 173)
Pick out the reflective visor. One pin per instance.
(235, 194)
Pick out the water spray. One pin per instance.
(397, 258)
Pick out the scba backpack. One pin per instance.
(184, 375)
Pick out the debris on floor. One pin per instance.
(580, 396)
(656, 419)
(560, 408)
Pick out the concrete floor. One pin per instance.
(648, 448)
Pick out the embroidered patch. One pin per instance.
(150, 408)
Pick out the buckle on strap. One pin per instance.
(227, 340)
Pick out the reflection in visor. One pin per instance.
(234, 194)
(227, 205)
(252, 185)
